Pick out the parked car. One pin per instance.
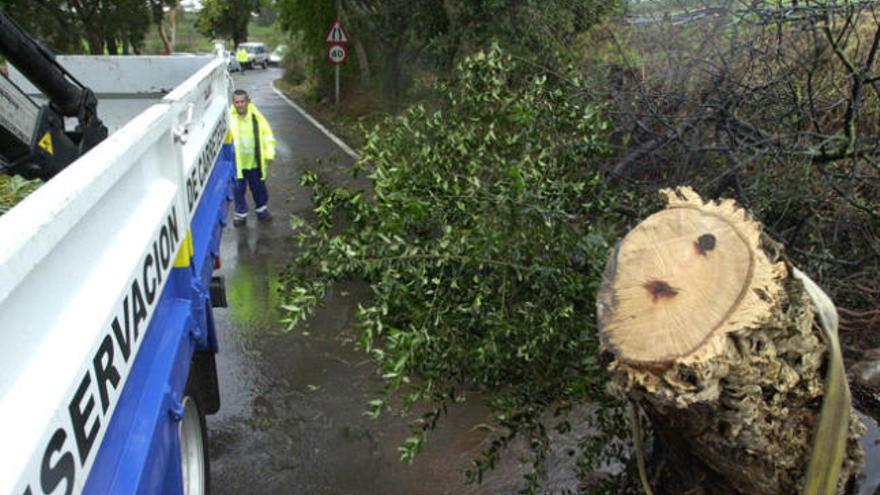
(277, 55)
(258, 54)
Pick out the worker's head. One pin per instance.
(240, 100)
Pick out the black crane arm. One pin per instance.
(52, 145)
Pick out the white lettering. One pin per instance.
(94, 399)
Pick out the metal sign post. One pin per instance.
(337, 55)
(337, 38)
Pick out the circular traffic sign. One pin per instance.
(337, 54)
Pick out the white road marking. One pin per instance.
(350, 152)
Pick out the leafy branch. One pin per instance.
(482, 239)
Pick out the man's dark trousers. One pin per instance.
(251, 178)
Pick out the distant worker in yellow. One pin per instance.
(254, 150)
(241, 56)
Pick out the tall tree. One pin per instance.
(164, 14)
(311, 18)
(125, 23)
(226, 18)
(389, 22)
(88, 14)
(49, 21)
(101, 24)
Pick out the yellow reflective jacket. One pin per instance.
(264, 140)
(241, 55)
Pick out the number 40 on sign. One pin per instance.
(337, 54)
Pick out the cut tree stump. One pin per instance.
(712, 336)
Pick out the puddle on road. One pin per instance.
(252, 289)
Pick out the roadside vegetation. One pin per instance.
(13, 190)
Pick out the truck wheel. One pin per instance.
(193, 448)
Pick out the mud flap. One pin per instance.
(203, 380)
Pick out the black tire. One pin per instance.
(193, 434)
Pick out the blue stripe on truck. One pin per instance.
(140, 451)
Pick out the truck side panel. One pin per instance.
(94, 320)
(144, 452)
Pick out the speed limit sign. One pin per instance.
(337, 54)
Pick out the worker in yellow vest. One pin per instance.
(241, 56)
(254, 150)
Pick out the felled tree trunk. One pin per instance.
(716, 341)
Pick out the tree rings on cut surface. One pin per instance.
(682, 279)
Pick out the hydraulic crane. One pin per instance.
(38, 141)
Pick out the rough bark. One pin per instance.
(360, 52)
(717, 342)
(168, 29)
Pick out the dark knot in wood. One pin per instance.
(704, 244)
(660, 289)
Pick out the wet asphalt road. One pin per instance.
(291, 420)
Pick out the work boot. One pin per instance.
(238, 222)
(266, 216)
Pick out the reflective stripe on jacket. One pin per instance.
(264, 147)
